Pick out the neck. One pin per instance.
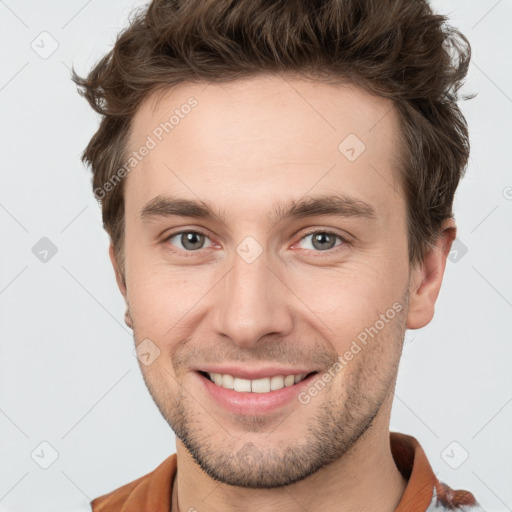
(365, 479)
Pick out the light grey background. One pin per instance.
(68, 375)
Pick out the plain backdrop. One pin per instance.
(71, 394)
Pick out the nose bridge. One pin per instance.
(253, 300)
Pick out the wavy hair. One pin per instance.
(396, 49)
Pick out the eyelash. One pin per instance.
(188, 254)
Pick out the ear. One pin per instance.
(119, 277)
(121, 285)
(426, 278)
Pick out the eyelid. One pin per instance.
(180, 232)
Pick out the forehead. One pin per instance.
(249, 139)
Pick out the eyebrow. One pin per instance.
(329, 204)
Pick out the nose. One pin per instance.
(253, 302)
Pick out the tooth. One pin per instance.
(241, 384)
(227, 381)
(277, 382)
(255, 386)
(289, 380)
(260, 385)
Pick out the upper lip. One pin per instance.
(254, 373)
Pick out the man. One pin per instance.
(237, 138)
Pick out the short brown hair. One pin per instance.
(397, 49)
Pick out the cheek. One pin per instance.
(341, 302)
(164, 299)
(351, 289)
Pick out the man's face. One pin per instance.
(251, 291)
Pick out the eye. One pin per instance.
(190, 240)
(194, 241)
(322, 240)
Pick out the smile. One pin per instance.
(264, 385)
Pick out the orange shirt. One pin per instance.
(423, 493)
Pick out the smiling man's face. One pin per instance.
(250, 287)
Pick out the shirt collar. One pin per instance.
(411, 461)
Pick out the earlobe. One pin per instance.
(426, 279)
(128, 318)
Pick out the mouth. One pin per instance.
(255, 397)
(263, 385)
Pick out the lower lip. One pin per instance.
(255, 404)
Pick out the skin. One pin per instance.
(247, 145)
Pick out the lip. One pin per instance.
(252, 404)
(255, 373)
